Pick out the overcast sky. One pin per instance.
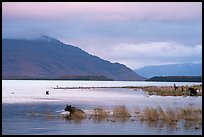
(135, 34)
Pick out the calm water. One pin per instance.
(20, 98)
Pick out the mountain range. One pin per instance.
(49, 58)
(186, 69)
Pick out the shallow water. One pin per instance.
(15, 120)
(26, 109)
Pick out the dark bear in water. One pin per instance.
(75, 112)
(193, 92)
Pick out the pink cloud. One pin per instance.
(104, 11)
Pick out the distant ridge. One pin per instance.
(187, 69)
(177, 79)
(49, 58)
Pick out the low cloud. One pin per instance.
(150, 53)
(157, 49)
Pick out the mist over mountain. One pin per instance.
(49, 58)
(187, 69)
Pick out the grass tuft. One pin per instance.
(100, 113)
(121, 111)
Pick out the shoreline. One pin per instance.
(152, 90)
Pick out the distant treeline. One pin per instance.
(68, 77)
(176, 79)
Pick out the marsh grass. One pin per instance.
(121, 114)
(171, 115)
(190, 116)
(191, 113)
(170, 91)
(151, 114)
(100, 113)
(121, 111)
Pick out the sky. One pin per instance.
(135, 34)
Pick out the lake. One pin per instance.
(22, 98)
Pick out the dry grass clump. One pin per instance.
(121, 111)
(100, 113)
(171, 115)
(151, 114)
(191, 113)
